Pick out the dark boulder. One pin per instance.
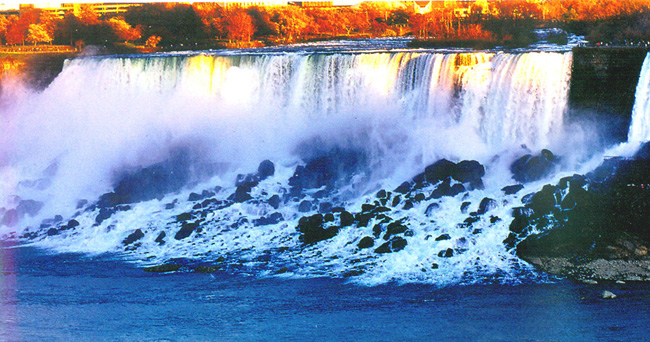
(104, 213)
(468, 171)
(394, 228)
(266, 169)
(326, 170)
(366, 242)
(396, 244)
(404, 188)
(163, 268)
(154, 181)
(313, 229)
(161, 238)
(512, 189)
(52, 232)
(443, 237)
(464, 206)
(531, 168)
(304, 206)
(486, 205)
(242, 194)
(186, 230)
(268, 220)
(440, 170)
(347, 219)
(324, 207)
(133, 237)
(448, 253)
(248, 180)
(544, 201)
(274, 201)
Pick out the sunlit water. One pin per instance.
(401, 110)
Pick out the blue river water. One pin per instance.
(70, 297)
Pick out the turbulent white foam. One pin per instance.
(404, 110)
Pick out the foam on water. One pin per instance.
(400, 110)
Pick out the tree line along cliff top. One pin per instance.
(174, 26)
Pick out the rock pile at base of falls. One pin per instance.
(593, 226)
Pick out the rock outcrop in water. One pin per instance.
(593, 226)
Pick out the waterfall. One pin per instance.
(640, 126)
(398, 111)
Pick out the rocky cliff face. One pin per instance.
(592, 226)
(603, 84)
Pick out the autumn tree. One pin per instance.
(38, 34)
(123, 30)
(4, 22)
(153, 41)
(239, 25)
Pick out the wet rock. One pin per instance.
(329, 217)
(419, 197)
(206, 269)
(325, 170)
(274, 218)
(183, 217)
(73, 224)
(186, 230)
(394, 228)
(512, 189)
(104, 213)
(382, 194)
(164, 268)
(248, 180)
(544, 201)
(153, 181)
(347, 219)
(396, 201)
(313, 229)
(404, 188)
(193, 197)
(486, 205)
(304, 207)
(324, 207)
(161, 238)
(464, 206)
(242, 194)
(52, 232)
(396, 244)
(81, 203)
(366, 242)
(448, 253)
(274, 201)
(440, 170)
(531, 168)
(431, 209)
(282, 270)
(468, 171)
(407, 205)
(266, 169)
(443, 237)
(133, 237)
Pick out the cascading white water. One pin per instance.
(640, 126)
(403, 110)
